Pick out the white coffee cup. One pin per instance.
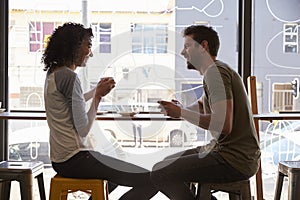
(0, 104)
(108, 77)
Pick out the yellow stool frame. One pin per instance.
(60, 187)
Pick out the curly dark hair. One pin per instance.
(200, 33)
(63, 45)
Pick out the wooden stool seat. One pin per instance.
(291, 169)
(61, 186)
(237, 190)
(23, 172)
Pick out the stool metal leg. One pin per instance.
(233, 196)
(279, 182)
(5, 190)
(26, 186)
(294, 185)
(40, 180)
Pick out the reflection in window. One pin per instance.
(190, 92)
(149, 38)
(39, 32)
(283, 99)
(290, 38)
(102, 36)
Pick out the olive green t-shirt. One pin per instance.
(240, 148)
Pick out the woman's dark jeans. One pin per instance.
(91, 164)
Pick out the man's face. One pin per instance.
(84, 52)
(191, 53)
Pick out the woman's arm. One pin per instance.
(88, 95)
(103, 88)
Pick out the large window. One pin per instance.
(276, 65)
(139, 45)
(275, 53)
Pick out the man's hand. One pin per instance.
(170, 108)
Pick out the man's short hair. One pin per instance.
(200, 33)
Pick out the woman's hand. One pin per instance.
(104, 86)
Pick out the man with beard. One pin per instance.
(224, 110)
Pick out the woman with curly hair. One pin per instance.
(71, 155)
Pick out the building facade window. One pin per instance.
(290, 38)
(39, 32)
(149, 38)
(102, 36)
(283, 99)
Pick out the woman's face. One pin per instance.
(84, 52)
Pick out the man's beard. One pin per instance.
(190, 66)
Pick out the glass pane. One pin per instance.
(150, 36)
(276, 60)
(105, 48)
(137, 44)
(35, 37)
(161, 49)
(136, 38)
(136, 48)
(156, 29)
(35, 47)
(275, 53)
(104, 38)
(105, 27)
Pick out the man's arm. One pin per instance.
(220, 119)
(197, 106)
